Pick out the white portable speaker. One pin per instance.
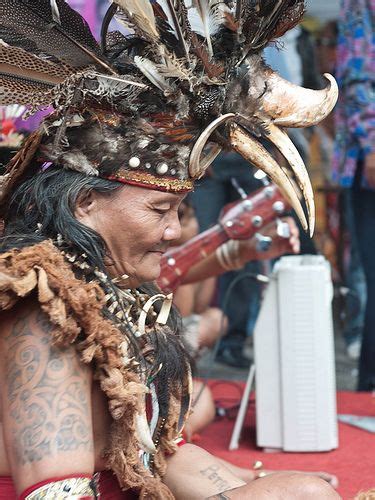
(294, 358)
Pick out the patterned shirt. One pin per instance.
(355, 112)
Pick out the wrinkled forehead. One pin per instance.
(140, 195)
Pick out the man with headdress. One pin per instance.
(94, 376)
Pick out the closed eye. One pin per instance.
(161, 211)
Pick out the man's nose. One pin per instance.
(173, 228)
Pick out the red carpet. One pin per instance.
(353, 462)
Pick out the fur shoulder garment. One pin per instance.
(74, 309)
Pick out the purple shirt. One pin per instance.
(355, 111)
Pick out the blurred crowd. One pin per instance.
(340, 156)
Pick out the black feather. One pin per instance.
(71, 41)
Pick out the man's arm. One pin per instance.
(46, 401)
(194, 474)
(247, 251)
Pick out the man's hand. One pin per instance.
(280, 245)
(369, 169)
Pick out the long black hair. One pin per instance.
(42, 208)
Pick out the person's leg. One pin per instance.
(240, 300)
(354, 279)
(203, 410)
(247, 291)
(284, 486)
(213, 325)
(364, 210)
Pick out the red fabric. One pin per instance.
(108, 488)
(35, 486)
(353, 462)
(7, 491)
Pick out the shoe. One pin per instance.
(353, 350)
(232, 356)
(248, 348)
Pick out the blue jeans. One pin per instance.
(364, 211)
(354, 276)
(208, 199)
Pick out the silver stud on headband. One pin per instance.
(134, 162)
(148, 165)
(162, 168)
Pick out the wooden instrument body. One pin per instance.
(239, 221)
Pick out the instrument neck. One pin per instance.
(177, 261)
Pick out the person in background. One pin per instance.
(214, 191)
(202, 324)
(354, 155)
(352, 275)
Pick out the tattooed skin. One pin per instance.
(47, 391)
(212, 473)
(220, 496)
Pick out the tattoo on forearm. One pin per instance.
(220, 496)
(212, 473)
(47, 393)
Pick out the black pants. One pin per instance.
(210, 196)
(364, 211)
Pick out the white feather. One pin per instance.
(149, 69)
(206, 17)
(167, 11)
(141, 11)
(168, 7)
(172, 67)
(55, 12)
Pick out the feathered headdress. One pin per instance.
(155, 107)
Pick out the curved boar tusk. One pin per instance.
(281, 140)
(252, 151)
(196, 168)
(290, 105)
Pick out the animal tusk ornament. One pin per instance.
(143, 433)
(252, 151)
(290, 105)
(280, 139)
(196, 168)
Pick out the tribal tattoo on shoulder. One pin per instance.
(47, 389)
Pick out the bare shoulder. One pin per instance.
(26, 329)
(45, 392)
(23, 311)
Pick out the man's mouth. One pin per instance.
(159, 252)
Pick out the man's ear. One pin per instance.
(85, 206)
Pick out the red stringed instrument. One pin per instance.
(238, 221)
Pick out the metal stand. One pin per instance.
(233, 445)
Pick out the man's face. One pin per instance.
(137, 226)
